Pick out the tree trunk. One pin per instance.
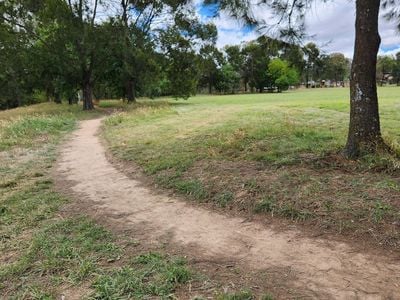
(209, 86)
(87, 96)
(57, 98)
(364, 131)
(130, 91)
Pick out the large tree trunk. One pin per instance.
(364, 132)
(57, 97)
(130, 91)
(87, 95)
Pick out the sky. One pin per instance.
(330, 25)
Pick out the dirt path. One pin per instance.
(328, 270)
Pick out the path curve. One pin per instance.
(329, 270)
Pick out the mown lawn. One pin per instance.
(46, 252)
(271, 154)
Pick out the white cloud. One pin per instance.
(230, 31)
(330, 25)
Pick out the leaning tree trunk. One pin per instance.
(130, 91)
(87, 95)
(364, 131)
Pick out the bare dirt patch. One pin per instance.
(335, 202)
(314, 267)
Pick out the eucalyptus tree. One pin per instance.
(15, 46)
(313, 62)
(386, 66)
(181, 45)
(140, 22)
(70, 31)
(364, 135)
(337, 67)
(258, 55)
(211, 61)
(236, 58)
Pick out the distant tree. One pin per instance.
(15, 48)
(258, 55)
(396, 70)
(364, 129)
(211, 59)
(386, 66)
(139, 27)
(337, 67)
(282, 76)
(236, 57)
(228, 79)
(313, 62)
(182, 62)
(294, 55)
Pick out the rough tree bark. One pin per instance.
(87, 94)
(57, 97)
(364, 130)
(130, 91)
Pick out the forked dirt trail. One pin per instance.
(329, 270)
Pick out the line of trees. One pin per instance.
(54, 48)
(364, 129)
(124, 47)
(270, 64)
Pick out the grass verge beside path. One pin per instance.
(271, 154)
(45, 252)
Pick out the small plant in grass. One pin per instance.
(268, 204)
(328, 204)
(193, 188)
(36, 293)
(380, 210)
(252, 185)
(69, 249)
(242, 295)
(115, 119)
(224, 198)
(25, 131)
(149, 275)
(389, 184)
(288, 210)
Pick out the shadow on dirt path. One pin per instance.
(326, 269)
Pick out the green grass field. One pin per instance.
(274, 154)
(46, 250)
